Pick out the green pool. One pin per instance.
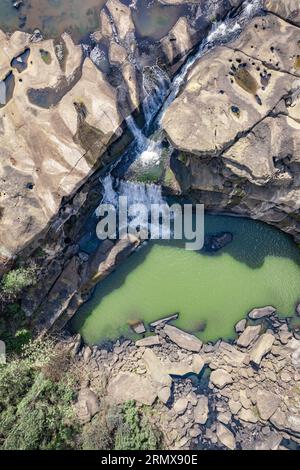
(260, 267)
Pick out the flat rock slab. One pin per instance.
(258, 313)
(261, 348)
(267, 403)
(127, 386)
(248, 336)
(225, 436)
(220, 377)
(182, 339)
(147, 342)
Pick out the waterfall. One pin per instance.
(156, 85)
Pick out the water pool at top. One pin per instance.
(260, 267)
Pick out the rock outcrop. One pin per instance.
(235, 124)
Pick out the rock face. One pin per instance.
(236, 130)
(182, 339)
(47, 148)
(288, 9)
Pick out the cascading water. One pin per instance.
(145, 149)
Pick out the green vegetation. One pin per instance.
(135, 431)
(46, 56)
(15, 281)
(124, 427)
(36, 394)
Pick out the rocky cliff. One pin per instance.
(236, 123)
(62, 105)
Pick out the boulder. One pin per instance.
(267, 403)
(138, 327)
(271, 442)
(262, 347)
(201, 410)
(182, 339)
(240, 326)
(149, 341)
(127, 386)
(156, 369)
(248, 336)
(287, 422)
(220, 378)
(225, 436)
(232, 356)
(257, 313)
(234, 406)
(249, 415)
(180, 406)
(87, 405)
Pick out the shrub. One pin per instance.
(135, 431)
(16, 280)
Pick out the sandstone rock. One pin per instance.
(156, 369)
(261, 348)
(257, 313)
(267, 403)
(197, 364)
(87, 354)
(182, 339)
(195, 431)
(147, 342)
(234, 406)
(164, 394)
(201, 410)
(271, 442)
(248, 336)
(219, 378)
(127, 386)
(87, 405)
(287, 9)
(180, 406)
(288, 422)
(248, 415)
(225, 436)
(138, 327)
(240, 326)
(224, 417)
(232, 356)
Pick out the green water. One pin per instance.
(260, 267)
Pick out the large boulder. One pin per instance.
(201, 410)
(182, 339)
(262, 347)
(248, 336)
(220, 378)
(127, 386)
(263, 312)
(225, 436)
(267, 403)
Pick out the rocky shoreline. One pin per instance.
(242, 394)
